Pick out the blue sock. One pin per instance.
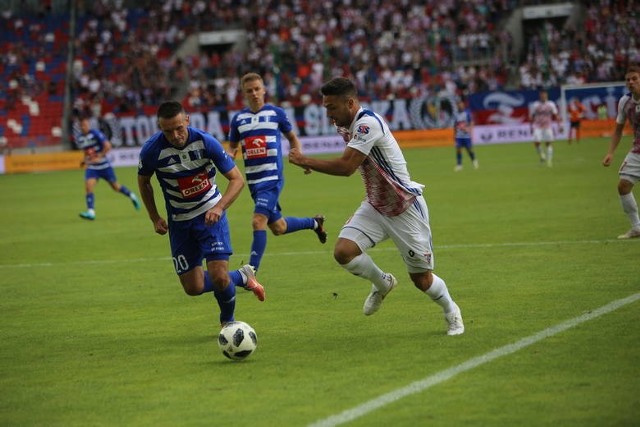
(236, 278)
(258, 246)
(458, 158)
(226, 300)
(124, 190)
(295, 224)
(90, 201)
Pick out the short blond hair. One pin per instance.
(249, 77)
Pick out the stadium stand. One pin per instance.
(128, 55)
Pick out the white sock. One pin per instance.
(550, 152)
(439, 293)
(630, 207)
(363, 266)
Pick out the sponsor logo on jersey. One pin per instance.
(255, 146)
(193, 186)
(363, 129)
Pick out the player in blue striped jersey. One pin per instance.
(258, 129)
(463, 129)
(186, 162)
(96, 146)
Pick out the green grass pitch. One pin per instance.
(96, 330)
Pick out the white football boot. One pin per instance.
(374, 300)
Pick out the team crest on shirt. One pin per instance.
(255, 146)
(363, 129)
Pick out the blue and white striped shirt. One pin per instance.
(186, 175)
(260, 135)
(92, 143)
(462, 125)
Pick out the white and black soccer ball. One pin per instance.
(237, 340)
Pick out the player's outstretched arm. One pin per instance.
(294, 144)
(341, 166)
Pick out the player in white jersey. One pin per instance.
(394, 207)
(186, 162)
(543, 115)
(628, 109)
(258, 130)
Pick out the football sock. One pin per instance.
(90, 201)
(550, 152)
(472, 155)
(363, 266)
(439, 293)
(124, 190)
(458, 159)
(258, 246)
(630, 207)
(227, 302)
(237, 278)
(295, 224)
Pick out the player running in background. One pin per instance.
(463, 131)
(394, 206)
(543, 115)
(628, 109)
(96, 146)
(186, 161)
(258, 129)
(576, 114)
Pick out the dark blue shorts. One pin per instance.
(463, 143)
(266, 203)
(192, 241)
(107, 174)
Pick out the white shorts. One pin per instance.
(409, 231)
(543, 134)
(630, 168)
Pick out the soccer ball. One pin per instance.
(237, 340)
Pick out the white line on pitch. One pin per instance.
(442, 376)
(267, 254)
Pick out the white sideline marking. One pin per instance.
(267, 254)
(439, 377)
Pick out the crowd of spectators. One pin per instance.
(127, 58)
(24, 60)
(598, 51)
(393, 49)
